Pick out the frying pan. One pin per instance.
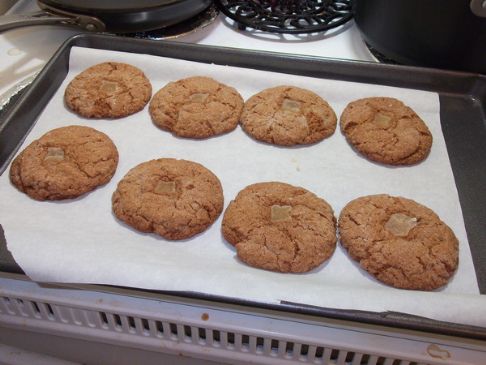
(117, 16)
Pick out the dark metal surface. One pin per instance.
(288, 16)
(433, 33)
(135, 18)
(463, 106)
(201, 20)
(380, 56)
(113, 20)
(108, 5)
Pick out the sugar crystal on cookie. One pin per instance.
(280, 213)
(382, 120)
(400, 224)
(54, 154)
(165, 187)
(199, 97)
(109, 87)
(291, 105)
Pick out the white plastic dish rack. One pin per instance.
(207, 331)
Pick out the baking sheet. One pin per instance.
(96, 248)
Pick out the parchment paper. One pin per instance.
(80, 240)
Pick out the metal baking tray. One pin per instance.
(463, 118)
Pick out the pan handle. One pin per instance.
(8, 22)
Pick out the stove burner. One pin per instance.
(188, 26)
(288, 16)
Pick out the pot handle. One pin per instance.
(8, 22)
(478, 7)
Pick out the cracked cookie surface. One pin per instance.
(386, 130)
(64, 163)
(196, 107)
(399, 241)
(108, 90)
(175, 199)
(287, 116)
(280, 227)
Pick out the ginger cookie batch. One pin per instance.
(272, 225)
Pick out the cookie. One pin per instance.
(287, 116)
(174, 198)
(400, 242)
(386, 130)
(280, 227)
(196, 107)
(108, 90)
(64, 163)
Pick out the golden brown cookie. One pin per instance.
(196, 107)
(280, 227)
(64, 163)
(173, 198)
(402, 243)
(386, 130)
(108, 90)
(287, 116)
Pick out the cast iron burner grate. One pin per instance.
(288, 16)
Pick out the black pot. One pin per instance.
(447, 34)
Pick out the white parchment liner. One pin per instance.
(80, 241)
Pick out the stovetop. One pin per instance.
(24, 51)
